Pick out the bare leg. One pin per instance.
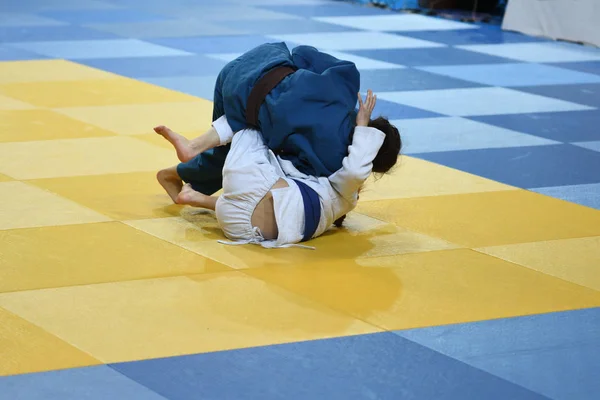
(170, 181)
(196, 199)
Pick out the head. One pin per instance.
(388, 153)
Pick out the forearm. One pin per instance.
(358, 164)
(219, 134)
(206, 141)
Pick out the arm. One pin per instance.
(219, 134)
(358, 164)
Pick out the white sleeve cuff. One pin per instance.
(368, 139)
(223, 130)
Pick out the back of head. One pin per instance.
(388, 154)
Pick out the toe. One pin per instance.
(161, 129)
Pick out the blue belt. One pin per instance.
(312, 210)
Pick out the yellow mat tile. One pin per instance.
(8, 103)
(137, 119)
(28, 125)
(173, 316)
(418, 178)
(433, 288)
(364, 237)
(77, 157)
(574, 260)
(91, 253)
(190, 232)
(120, 196)
(26, 348)
(48, 70)
(25, 206)
(4, 178)
(99, 92)
(488, 219)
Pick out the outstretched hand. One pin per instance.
(364, 111)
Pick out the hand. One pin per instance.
(364, 111)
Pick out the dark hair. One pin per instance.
(387, 156)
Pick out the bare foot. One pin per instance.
(190, 197)
(181, 144)
(170, 181)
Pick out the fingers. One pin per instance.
(369, 103)
(371, 100)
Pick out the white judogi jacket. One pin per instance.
(251, 169)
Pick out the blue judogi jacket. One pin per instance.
(308, 118)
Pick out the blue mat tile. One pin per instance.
(526, 167)
(358, 40)
(168, 29)
(141, 4)
(585, 195)
(151, 67)
(542, 52)
(290, 26)
(593, 67)
(11, 54)
(398, 22)
(101, 16)
(213, 44)
(217, 13)
(570, 126)
(326, 10)
(88, 49)
(393, 80)
(555, 354)
(45, 5)
(51, 33)
(431, 56)
(471, 36)
(518, 74)
(587, 94)
(93, 383)
(16, 19)
(200, 86)
(449, 134)
(378, 366)
(393, 110)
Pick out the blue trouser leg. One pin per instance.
(205, 171)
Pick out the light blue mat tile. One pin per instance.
(447, 134)
(585, 195)
(480, 101)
